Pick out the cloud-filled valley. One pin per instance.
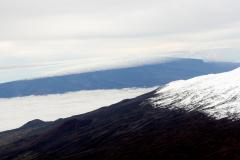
(17, 111)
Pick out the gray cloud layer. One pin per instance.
(49, 30)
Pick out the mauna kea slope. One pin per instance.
(145, 128)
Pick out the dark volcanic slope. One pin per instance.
(140, 76)
(129, 130)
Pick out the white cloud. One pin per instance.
(45, 31)
(83, 65)
(17, 111)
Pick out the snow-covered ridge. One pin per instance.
(217, 94)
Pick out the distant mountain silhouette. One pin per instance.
(140, 76)
(131, 129)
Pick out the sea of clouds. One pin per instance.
(17, 111)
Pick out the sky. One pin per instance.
(37, 33)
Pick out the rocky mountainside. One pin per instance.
(171, 123)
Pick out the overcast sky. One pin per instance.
(42, 31)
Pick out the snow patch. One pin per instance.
(217, 94)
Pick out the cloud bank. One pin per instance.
(17, 111)
(36, 32)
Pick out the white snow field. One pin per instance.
(217, 95)
(15, 112)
